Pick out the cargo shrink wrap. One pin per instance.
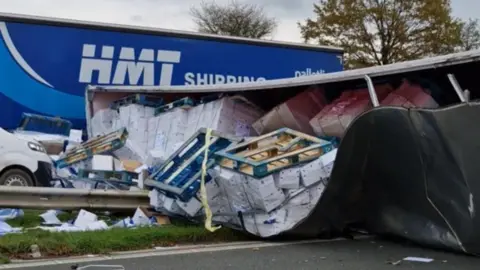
(295, 113)
(335, 118)
(410, 95)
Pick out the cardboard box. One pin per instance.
(130, 165)
(263, 193)
(102, 163)
(294, 113)
(288, 178)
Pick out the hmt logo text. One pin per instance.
(111, 70)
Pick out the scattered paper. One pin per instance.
(140, 218)
(84, 218)
(7, 214)
(5, 228)
(50, 218)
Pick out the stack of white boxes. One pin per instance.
(166, 132)
(271, 205)
(134, 118)
(102, 122)
(229, 115)
(155, 138)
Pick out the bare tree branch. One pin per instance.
(234, 19)
(470, 35)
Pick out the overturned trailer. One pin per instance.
(399, 170)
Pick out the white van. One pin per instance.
(23, 162)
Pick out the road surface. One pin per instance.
(339, 255)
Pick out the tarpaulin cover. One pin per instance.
(412, 173)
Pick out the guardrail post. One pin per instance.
(466, 94)
(371, 91)
(456, 87)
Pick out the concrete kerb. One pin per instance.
(158, 251)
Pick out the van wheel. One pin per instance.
(16, 177)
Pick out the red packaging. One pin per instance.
(410, 95)
(334, 119)
(295, 113)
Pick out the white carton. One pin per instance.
(191, 207)
(157, 199)
(102, 163)
(288, 178)
(102, 122)
(131, 151)
(84, 218)
(266, 225)
(232, 185)
(263, 193)
(319, 169)
(155, 157)
(172, 206)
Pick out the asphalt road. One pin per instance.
(344, 255)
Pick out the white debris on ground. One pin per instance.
(85, 221)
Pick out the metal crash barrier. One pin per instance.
(71, 199)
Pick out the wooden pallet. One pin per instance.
(140, 99)
(180, 174)
(123, 176)
(184, 103)
(272, 152)
(95, 146)
(210, 98)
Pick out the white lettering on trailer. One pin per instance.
(192, 78)
(308, 72)
(127, 64)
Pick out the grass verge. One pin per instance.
(103, 242)
(58, 244)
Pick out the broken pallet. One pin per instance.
(184, 103)
(181, 173)
(95, 146)
(272, 152)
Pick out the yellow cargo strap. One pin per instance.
(203, 189)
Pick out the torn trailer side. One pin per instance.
(408, 120)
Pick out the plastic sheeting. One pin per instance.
(295, 113)
(410, 173)
(334, 119)
(410, 95)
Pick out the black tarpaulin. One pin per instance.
(412, 173)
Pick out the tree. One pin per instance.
(470, 35)
(378, 32)
(233, 19)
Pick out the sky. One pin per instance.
(174, 14)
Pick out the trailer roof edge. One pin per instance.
(342, 76)
(23, 18)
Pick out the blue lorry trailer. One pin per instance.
(46, 63)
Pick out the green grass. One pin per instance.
(57, 244)
(104, 242)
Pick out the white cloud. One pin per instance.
(174, 14)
